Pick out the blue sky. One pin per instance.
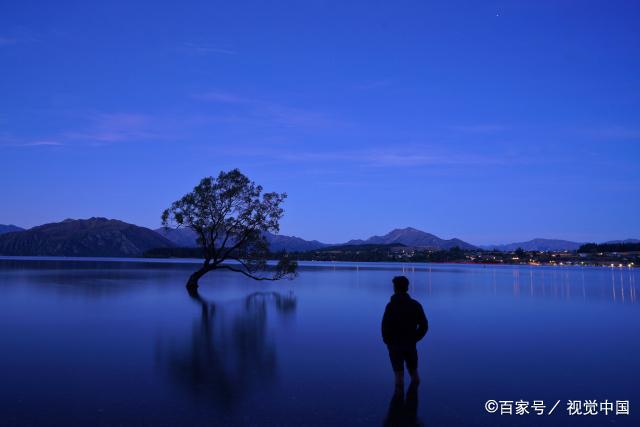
(491, 121)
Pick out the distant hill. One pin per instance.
(361, 247)
(9, 228)
(109, 237)
(538, 245)
(186, 238)
(83, 237)
(181, 237)
(413, 238)
(279, 242)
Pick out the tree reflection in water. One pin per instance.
(230, 351)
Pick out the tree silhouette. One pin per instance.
(230, 216)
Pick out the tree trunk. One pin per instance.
(192, 283)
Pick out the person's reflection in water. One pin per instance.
(403, 410)
(230, 351)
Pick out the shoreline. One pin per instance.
(308, 263)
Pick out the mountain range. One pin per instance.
(412, 237)
(82, 237)
(537, 245)
(186, 238)
(9, 228)
(110, 237)
(405, 236)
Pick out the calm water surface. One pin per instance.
(97, 342)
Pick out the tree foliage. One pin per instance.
(230, 215)
(609, 247)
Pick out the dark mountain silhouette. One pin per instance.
(279, 242)
(83, 237)
(181, 237)
(186, 238)
(537, 245)
(9, 228)
(413, 238)
(110, 237)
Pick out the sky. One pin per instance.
(490, 121)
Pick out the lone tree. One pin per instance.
(230, 216)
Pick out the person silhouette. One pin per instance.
(403, 325)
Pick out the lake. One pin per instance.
(121, 342)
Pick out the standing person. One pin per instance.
(403, 325)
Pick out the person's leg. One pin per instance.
(399, 379)
(397, 363)
(411, 406)
(411, 358)
(415, 378)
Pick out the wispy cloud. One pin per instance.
(97, 129)
(117, 127)
(6, 41)
(373, 84)
(225, 97)
(10, 141)
(17, 35)
(483, 128)
(412, 156)
(266, 111)
(611, 133)
(206, 49)
(46, 143)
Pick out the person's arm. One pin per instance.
(423, 324)
(386, 325)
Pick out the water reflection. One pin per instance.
(99, 278)
(230, 351)
(403, 410)
(614, 285)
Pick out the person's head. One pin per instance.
(400, 284)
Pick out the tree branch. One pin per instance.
(248, 274)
